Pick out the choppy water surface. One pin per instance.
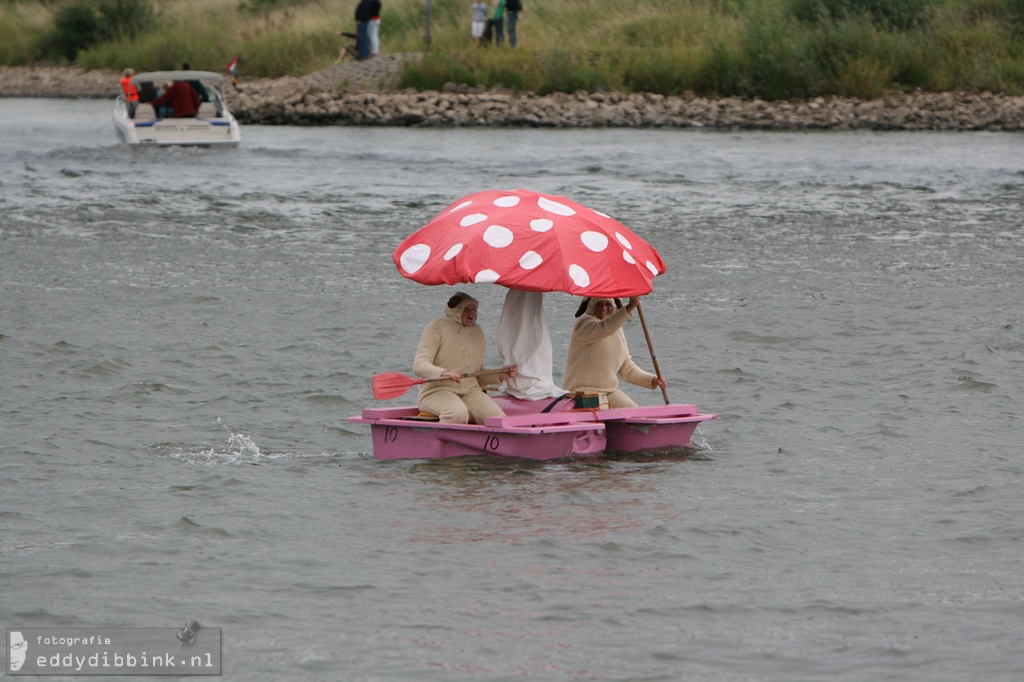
(185, 332)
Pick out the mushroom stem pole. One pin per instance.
(650, 346)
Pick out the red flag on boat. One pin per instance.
(233, 70)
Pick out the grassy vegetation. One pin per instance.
(765, 48)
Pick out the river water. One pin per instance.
(185, 332)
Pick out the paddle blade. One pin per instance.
(391, 385)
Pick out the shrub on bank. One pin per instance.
(773, 49)
(78, 26)
(898, 15)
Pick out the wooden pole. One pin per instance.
(650, 346)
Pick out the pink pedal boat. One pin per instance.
(529, 243)
(526, 432)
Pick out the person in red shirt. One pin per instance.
(182, 97)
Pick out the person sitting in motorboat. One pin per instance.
(201, 90)
(164, 111)
(598, 353)
(183, 100)
(453, 346)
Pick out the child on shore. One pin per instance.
(351, 50)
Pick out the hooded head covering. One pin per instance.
(589, 304)
(458, 303)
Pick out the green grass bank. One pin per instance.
(772, 49)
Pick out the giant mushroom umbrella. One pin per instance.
(531, 242)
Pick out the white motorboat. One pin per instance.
(212, 126)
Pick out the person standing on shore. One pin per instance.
(363, 16)
(374, 27)
(512, 10)
(479, 19)
(498, 21)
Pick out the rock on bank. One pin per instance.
(461, 106)
(362, 93)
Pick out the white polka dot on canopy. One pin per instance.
(529, 241)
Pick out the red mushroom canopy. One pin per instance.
(532, 242)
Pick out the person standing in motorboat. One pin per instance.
(197, 85)
(451, 347)
(131, 93)
(598, 353)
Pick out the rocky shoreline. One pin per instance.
(365, 94)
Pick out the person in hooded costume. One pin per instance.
(598, 353)
(451, 346)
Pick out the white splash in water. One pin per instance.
(240, 449)
(703, 444)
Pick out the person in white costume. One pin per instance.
(524, 340)
(598, 354)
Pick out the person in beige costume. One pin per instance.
(598, 352)
(451, 346)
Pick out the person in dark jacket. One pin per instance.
(512, 10)
(364, 14)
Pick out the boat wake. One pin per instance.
(240, 449)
